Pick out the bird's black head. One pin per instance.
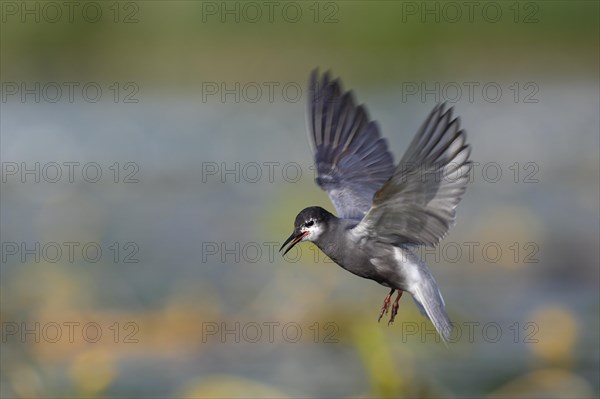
(308, 226)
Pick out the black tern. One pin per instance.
(384, 212)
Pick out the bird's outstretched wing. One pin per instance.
(417, 205)
(352, 160)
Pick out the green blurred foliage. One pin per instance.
(179, 43)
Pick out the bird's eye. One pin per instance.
(308, 224)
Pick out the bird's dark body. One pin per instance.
(383, 210)
(354, 256)
(366, 257)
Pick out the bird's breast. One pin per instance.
(353, 256)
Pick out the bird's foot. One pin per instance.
(386, 304)
(395, 307)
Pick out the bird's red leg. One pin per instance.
(395, 307)
(386, 304)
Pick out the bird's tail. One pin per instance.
(428, 298)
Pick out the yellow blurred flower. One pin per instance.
(92, 371)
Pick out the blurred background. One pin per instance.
(154, 157)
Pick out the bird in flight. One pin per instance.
(384, 211)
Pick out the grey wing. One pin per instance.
(352, 160)
(417, 205)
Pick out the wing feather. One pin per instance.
(352, 159)
(417, 204)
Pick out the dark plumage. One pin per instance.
(384, 211)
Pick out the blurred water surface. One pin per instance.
(176, 209)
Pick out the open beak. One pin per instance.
(295, 239)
